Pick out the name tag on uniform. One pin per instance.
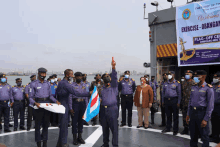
(192, 90)
(0, 87)
(30, 89)
(202, 91)
(165, 85)
(123, 83)
(38, 87)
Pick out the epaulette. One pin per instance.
(132, 79)
(13, 86)
(218, 85)
(210, 85)
(118, 81)
(178, 81)
(24, 86)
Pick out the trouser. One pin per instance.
(63, 124)
(215, 120)
(196, 117)
(184, 112)
(152, 114)
(42, 115)
(18, 107)
(54, 118)
(5, 110)
(109, 119)
(163, 114)
(143, 112)
(118, 102)
(30, 115)
(127, 104)
(77, 121)
(172, 109)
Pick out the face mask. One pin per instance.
(196, 79)
(126, 76)
(170, 77)
(84, 78)
(106, 80)
(98, 85)
(78, 80)
(215, 80)
(147, 79)
(55, 79)
(152, 79)
(42, 77)
(187, 77)
(52, 81)
(3, 80)
(164, 79)
(19, 84)
(70, 78)
(182, 80)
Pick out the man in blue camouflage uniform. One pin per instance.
(127, 87)
(18, 100)
(215, 117)
(171, 98)
(201, 104)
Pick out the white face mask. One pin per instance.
(170, 77)
(215, 80)
(55, 79)
(147, 79)
(182, 80)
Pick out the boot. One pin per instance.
(185, 131)
(38, 144)
(75, 139)
(44, 143)
(80, 140)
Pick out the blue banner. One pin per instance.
(198, 33)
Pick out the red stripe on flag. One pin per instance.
(94, 101)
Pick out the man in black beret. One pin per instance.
(200, 107)
(186, 91)
(215, 117)
(30, 109)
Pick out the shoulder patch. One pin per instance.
(24, 86)
(118, 81)
(210, 85)
(132, 79)
(178, 81)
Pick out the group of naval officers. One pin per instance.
(198, 101)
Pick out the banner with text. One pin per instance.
(198, 33)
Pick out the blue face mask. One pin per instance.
(187, 77)
(126, 76)
(52, 81)
(196, 79)
(3, 80)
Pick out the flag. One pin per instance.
(93, 107)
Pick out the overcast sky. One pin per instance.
(79, 34)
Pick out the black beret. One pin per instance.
(200, 72)
(50, 77)
(54, 75)
(77, 74)
(104, 75)
(84, 74)
(32, 76)
(152, 76)
(127, 72)
(17, 79)
(42, 69)
(2, 75)
(98, 75)
(217, 74)
(171, 72)
(189, 71)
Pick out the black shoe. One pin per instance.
(69, 125)
(75, 142)
(93, 124)
(15, 129)
(7, 130)
(38, 144)
(145, 127)
(10, 125)
(28, 128)
(130, 125)
(149, 127)
(175, 133)
(22, 128)
(105, 145)
(162, 125)
(139, 126)
(185, 131)
(65, 145)
(86, 123)
(44, 143)
(165, 130)
(80, 140)
(122, 125)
